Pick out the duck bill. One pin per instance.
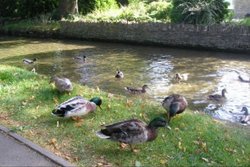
(100, 107)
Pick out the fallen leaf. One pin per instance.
(163, 161)
(205, 159)
(110, 95)
(123, 145)
(55, 100)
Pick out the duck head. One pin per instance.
(52, 79)
(35, 59)
(97, 101)
(245, 110)
(223, 92)
(145, 87)
(157, 122)
(177, 76)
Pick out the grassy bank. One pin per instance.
(196, 139)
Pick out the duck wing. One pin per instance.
(75, 106)
(27, 61)
(215, 97)
(64, 84)
(130, 131)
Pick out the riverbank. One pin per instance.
(229, 38)
(196, 139)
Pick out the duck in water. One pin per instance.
(119, 74)
(29, 61)
(245, 119)
(137, 90)
(218, 97)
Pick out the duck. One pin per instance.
(245, 119)
(218, 97)
(132, 131)
(174, 104)
(119, 74)
(29, 61)
(62, 84)
(137, 90)
(81, 58)
(243, 80)
(76, 106)
(181, 77)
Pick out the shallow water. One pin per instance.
(209, 72)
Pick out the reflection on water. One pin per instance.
(209, 72)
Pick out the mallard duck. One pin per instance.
(28, 61)
(119, 74)
(243, 80)
(137, 90)
(174, 104)
(218, 97)
(77, 106)
(132, 131)
(245, 119)
(62, 84)
(181, 77)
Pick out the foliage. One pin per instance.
(40, 23)
(87, 6)
(245, 21)
(26, 8)
(159, 10)
(136, 12)
(195, 139)
(199, 11)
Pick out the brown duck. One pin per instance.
(174, 104)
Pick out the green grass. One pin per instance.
(33, 25)
(196, 139)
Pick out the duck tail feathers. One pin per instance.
(101, 135)
(58, 113)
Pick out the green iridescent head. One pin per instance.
(97, 101)
(158, 122)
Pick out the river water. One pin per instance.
(209, 72)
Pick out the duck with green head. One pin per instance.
(132, 131)
(174, 104)
(77, 106)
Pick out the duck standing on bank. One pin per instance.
(77, 106)
(132, 131)
(217, 97)
(29, 61)
(119, 74)
(62, 84)
(174, 104)
(137, 90)
(245, 119)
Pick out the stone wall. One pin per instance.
(218, 37)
